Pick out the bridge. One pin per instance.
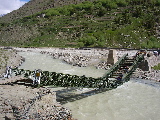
(119, 73)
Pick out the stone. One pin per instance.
(144, 66)
(112, 58)
(9, 116)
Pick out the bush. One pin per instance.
(88, 41)
(87, 5)
(121, 3)
(101, 12)
(108, 4)
(100, 44)
(157, 3)
(157, 67)
(137, 12)
(149, 21)
(64, 11)
(80, 44)
(97, 4)
(51, 12)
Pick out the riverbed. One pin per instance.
(134, 100)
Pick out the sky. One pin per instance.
(7, 6)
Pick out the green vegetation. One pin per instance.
(157, 67)
(102, 23)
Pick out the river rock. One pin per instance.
(144, 66)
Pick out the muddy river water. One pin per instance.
(134, 100)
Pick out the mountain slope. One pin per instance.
(35, 6)
(102, 23)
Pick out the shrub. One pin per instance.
(88, 40)
(149, 21)
(121, 3)
(64, 11)
(80, 44)
(51, 12)
(101, 12)
(157, 67)
(108, 4)
(157, 2)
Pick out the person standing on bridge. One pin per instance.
(155, 53)
(126, 69)
(37, 76)
(8, 72)
(158, 52)
(119, 78)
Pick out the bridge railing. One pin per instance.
(67, 80)
(138, 59)
(109, 73)
(60, 79)
(26, 73)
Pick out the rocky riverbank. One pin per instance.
(21, 102)
(151, 74)
(76, 57)
(9, 57)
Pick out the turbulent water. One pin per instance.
(131, 101)
(35, 60)
(134, 100)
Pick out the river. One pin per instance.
(134, 100)
(35, 60)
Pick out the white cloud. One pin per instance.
(6, 6)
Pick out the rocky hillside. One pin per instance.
(100, 23)
(35, 6)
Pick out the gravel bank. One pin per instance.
(21, 102)
(9, 57)
(151, 74)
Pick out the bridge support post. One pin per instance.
(112, 58)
